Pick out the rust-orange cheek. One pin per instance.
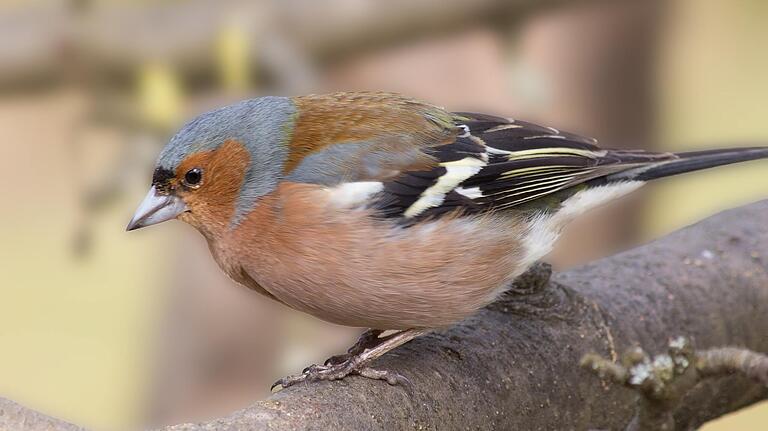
(223, 170)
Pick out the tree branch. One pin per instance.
(19, 418)
(663, 381)
(113, 38)
(729, 360)
(515, 365)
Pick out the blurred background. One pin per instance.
(123, 331)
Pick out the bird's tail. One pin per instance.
(680, 163)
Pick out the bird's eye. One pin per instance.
(193, 177)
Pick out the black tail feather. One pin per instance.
(691, 161)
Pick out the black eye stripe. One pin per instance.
(162, 176)
(161, 179)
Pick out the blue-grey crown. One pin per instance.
(262, 125)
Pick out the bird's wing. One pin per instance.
(498, 163)
(410, 160)
(348, 137)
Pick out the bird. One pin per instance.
(379, 211)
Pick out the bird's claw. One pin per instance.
(338, 371)
(390, 377)
(368, 347)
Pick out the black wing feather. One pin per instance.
(521, 162)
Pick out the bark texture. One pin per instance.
(515, 365)
(14, 417)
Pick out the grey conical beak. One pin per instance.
(156, 208)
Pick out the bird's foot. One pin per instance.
(368, 348)
(355, 365)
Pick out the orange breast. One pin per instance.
(346, 267)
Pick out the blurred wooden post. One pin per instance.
(597, 64)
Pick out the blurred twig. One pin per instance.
(117, 37)
(664, 380)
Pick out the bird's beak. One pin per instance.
(156, 208)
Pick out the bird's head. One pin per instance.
(214, 169)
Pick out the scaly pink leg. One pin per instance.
(357, 363)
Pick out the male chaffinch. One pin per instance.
(375, 210)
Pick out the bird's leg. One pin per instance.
(357, 364)
(367, 340)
